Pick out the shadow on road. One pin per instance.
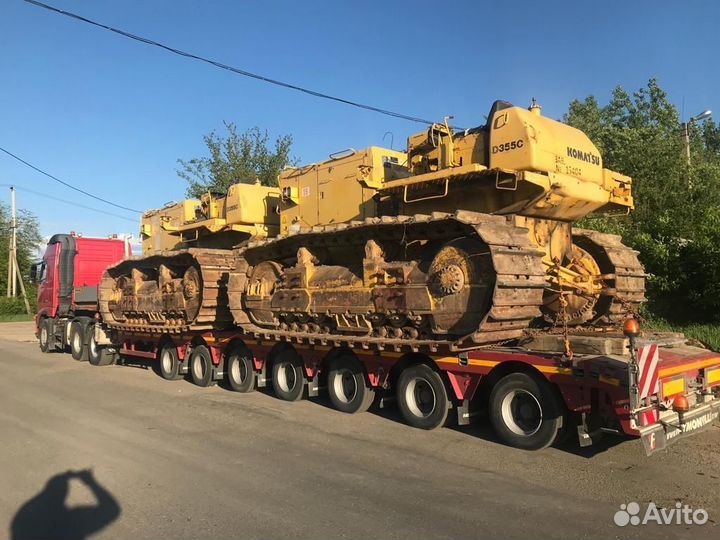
(47, 516)
(480, 428)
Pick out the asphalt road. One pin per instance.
(171, 460)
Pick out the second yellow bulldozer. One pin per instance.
(180, 281)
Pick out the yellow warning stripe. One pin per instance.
(675, 386)
(470, 362)
(668, 372)
(712, 376)
(493, 363)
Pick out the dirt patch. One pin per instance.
(18, 331)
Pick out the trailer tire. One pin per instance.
(44, 335)
(78, 347)
(240, 369)
(288, 379)
(105, 356)
(347, 386)
(168, 363)
(525, 411)
(201, 366)
(422, 397)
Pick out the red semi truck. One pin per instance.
(68, 277)
(656, 387)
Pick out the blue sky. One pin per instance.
(112, 116)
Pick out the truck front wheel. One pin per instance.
(525, 411)
(78, 349)
(45, 334)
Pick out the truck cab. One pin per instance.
(67, 278)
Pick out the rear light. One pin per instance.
(680, 404)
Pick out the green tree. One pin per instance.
(28, 240)
(676, 223)
(237, 157)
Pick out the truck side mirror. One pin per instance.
(34, 273)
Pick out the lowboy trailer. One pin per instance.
(543, 388)
(656, 388)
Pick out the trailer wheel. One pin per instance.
(168, 363)
(78, 348)
(525, 411)
(105, 357)
(201, 366)
(422, 397)
(240, 369)
(45, 333)
(288, 379)
(348, 390)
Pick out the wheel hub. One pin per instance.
(420, 398)
(238, 371)
(166, 362)
(451, 279)
(286, 377)
(198, 368)
(521, 412)
(345, 386)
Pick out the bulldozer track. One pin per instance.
(626, 292)
(520, 278)
(213, 265)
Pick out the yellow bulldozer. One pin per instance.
(215, 221)
(465, 238)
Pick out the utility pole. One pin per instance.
(11, 266)
(14, 274)
(13, 245)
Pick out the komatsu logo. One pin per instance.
(587, 157)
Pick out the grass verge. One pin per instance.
(707, 334)
(16, 318)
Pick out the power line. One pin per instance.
(220, 65)
(64, 201)
(67, 184)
